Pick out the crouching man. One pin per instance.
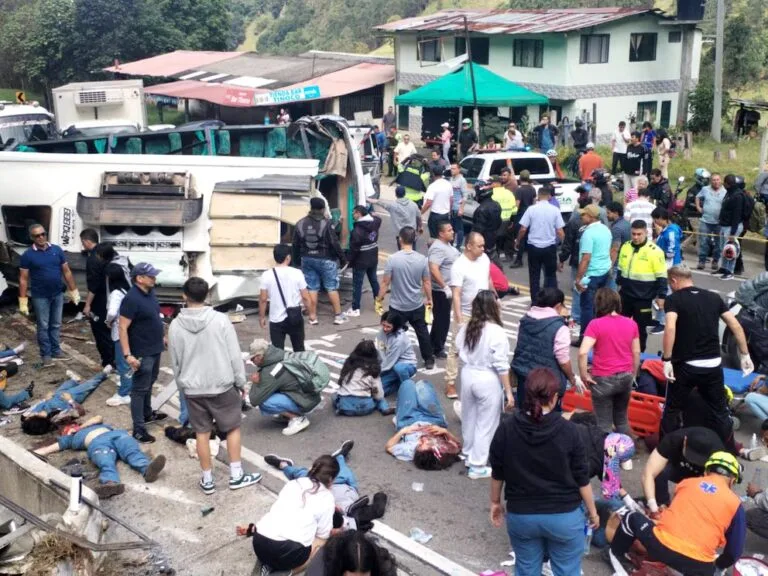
(105, 446)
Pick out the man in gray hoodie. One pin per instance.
(209, 370)
(403, 212)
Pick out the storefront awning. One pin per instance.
(222, 94)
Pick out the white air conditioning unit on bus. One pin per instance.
(91, 98)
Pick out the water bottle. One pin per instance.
(587, 538)
(753, 442)
(131, 371)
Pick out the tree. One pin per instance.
(744, 50)
(701, 103)
(203, 24)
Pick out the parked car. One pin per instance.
(487, 166)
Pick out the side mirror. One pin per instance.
(681, 179)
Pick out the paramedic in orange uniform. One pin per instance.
(704, 515)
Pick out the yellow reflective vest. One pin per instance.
(506, 200)
(642, 271)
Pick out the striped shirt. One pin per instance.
(641, 209)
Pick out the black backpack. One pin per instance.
(747, 208)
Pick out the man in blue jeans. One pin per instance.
(45, 267)
(594, 263)
(62, 405)
(353, 512)
(142, 338)
(105, 447)
(363, 255)
(708, 203)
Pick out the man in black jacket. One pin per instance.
(96, 301)
(363, 255)
(487, 217)
(317, 249)
(660, 190)
(731, 223)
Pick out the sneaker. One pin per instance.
(48, 362)
(156, 417)
(429, 363)
(352, 313)
(20, 348)
(314, 322)
(208, 488)
(626, 465)
(717, 270)
(108, 489)
(701, 266)
(450, 391)
(244, 480)
(107, 370)
(117, 400)
(442, 355)
(296, 425)
(479, 472)
(457, 409)
(154, 468)
(727, 276)
(274, 460)
(264, 570)
(516, 264)
(715, 265)
(657, 329)
(19, 408)
(61, 357)
(344, 449)
(340, 319)
(30, 389)
(143, 437)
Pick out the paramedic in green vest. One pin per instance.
(276, 391)
(505, 196)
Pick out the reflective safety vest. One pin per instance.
(413, 194)
(642, 271)
(506, 200)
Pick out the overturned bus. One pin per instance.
(210, 203)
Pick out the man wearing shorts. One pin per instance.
(316, 248)
(209, 370)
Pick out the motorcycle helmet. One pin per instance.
(739, 182)
(552, 153)
(731, 250)
(483, 190)
(702, 176)
(599, 177)
(724, 463)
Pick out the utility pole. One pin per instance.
(475, 112)
(717, 111)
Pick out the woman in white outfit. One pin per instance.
(484, 353)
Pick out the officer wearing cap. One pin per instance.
(142, 335)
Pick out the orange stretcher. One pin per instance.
(644, 411)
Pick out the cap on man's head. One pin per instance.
(444, 125)
(590, 145)
(466, 121)
(592, 210)
(144, 269)
(258, 347)
(317, 203)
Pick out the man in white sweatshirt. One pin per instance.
(209, 370)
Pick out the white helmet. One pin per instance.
(552, 153)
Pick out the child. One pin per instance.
(398, 360)
(360, 391)
(118, 286)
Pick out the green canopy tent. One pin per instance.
(455, 89)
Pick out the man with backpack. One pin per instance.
(732, 215)
(287, 385)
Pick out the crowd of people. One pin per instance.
(513, 430)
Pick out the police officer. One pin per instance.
(505, 196)
(487, 217)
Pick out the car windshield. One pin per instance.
(26, 128)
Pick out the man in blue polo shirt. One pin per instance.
(594, 263)
(142, 336)
(45, 267)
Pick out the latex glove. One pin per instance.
(448, 291)
(579, 385)
(747, 366)
(669, 372)
(74, 296)
(24, 306)
(428, 314)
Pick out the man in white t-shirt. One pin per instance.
(285, 318)
(470, 273)
(404, 150)
(438, 200)
(619, 142)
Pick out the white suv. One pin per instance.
(486, 166)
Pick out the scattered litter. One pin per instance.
(417, 487)
(239, 308)
(214, 444)
(5, 422)
(78, 318)
(205, 510)
(418, 535)
(511, 561)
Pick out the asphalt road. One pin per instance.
(451, 507)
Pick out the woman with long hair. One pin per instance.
(360, 391)
(352, 553)
(118, 288)
(484, 352)
(615, 362)
(539, 459)
(398, 360)
(300, 521)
